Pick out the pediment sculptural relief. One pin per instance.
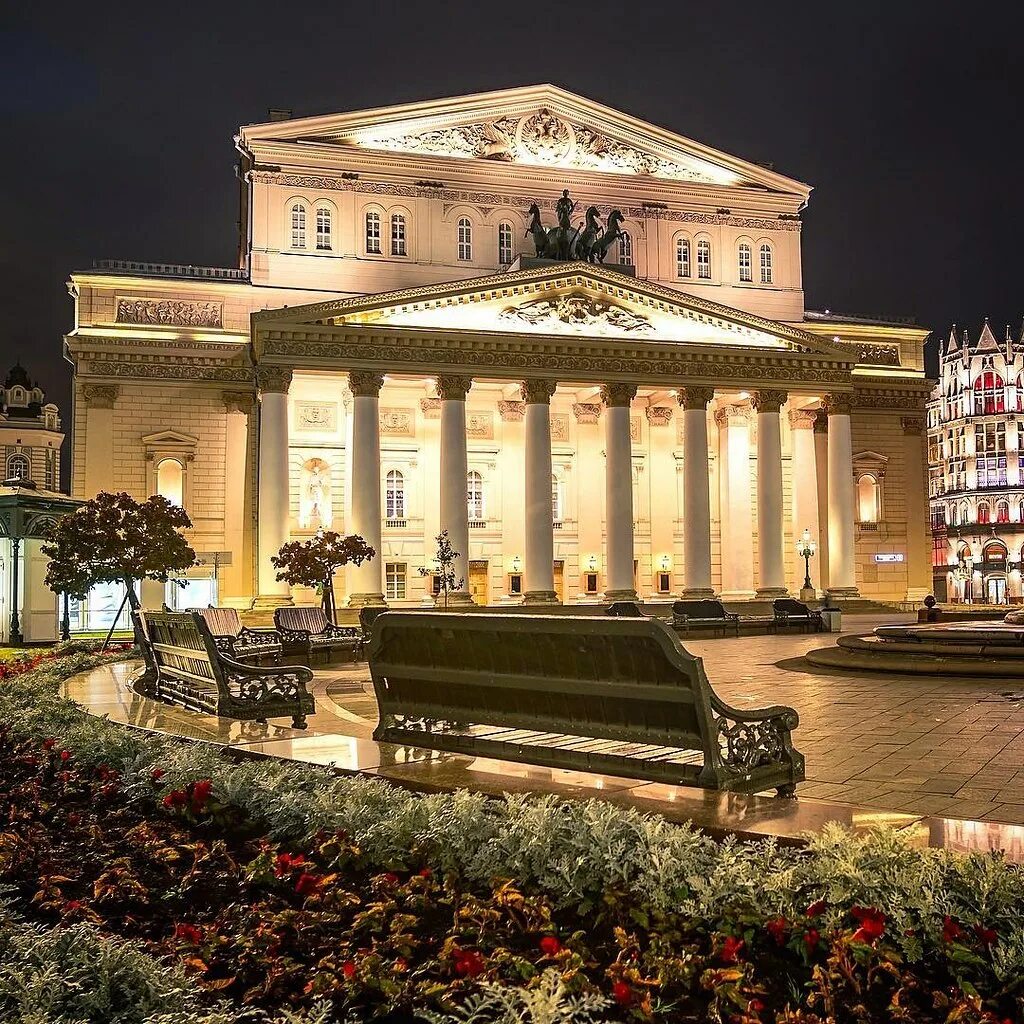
(579, 311)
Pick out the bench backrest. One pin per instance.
(222, 621)
(705, 609)
(615, 678)
(304, 618)
(183, 648)
(790, 606)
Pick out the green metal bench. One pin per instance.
(612, 695)
(238, 641)
(704, 614)
(306, 631)
(184, 666)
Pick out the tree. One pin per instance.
(313, 562)
(445, 572)
(115, 539)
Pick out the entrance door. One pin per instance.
(995, 590)
(478, 589)
(560, 580)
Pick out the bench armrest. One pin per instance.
(259, 637)
(293, 636)
(775, 711)
(341, 632)
(238, 671)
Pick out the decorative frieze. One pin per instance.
(316, 417)
(587, 412)
(169, 312)
(659, 415)
(274, 379)
(100, 396)
(581, 312)
(397, 422)
(170, 369)
(512, 412)
(480, 426)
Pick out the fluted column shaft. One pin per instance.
(842, 570)
(696, 492)
(736, 527)
(919, 568)
(618, 492)
(821, 486)
(454, 472)
(771, 579)
(364, 581)
(805, 489)
(539, 574)
(273, 490)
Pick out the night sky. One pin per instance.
(117, 121)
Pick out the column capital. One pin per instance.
(587, 412)
(101, 396)
(453, 387)
(511, 412)
(659, 415)
(430, 407)
(732, 412)
(238, 401)
(912, 424)
(694, 397)
(537, 392)
(837, 404)
(821, 422)
(802, 419)
(768, 400)
(275, 379)
(618, 395)
(365, 383)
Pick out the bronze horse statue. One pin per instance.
(612, 233)
(551, 243)
(586, 238)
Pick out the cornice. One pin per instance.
(187, 371)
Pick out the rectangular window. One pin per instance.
(298, 227)
(398, 235)
(590, 583)
(394, 580)
(323, 229)
(515, 583)
(505, 252)
(664, 583)
(704, 260)
(373, 233)
(766, 264)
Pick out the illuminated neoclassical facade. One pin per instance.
(391, 358)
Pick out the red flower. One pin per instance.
(109, 790)
(729, 953)
(987, 936)
(755, 1006)
(401, 965)
(188, 933)
(622, 993)
(951, 931)
(201, 793)
(348, 969)
(389, 878)
(74, 818)
(816, 908)
(811, 939)
(306, 884)
(65, 755)
(776, 928)
(549, 945)
(48, 743)
(286, 862)
(72, 905)
(872, 924)
(65, 777)
(157, 774)
(468, 963)
(426, 873)
(176, 798)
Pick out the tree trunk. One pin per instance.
(128, 596)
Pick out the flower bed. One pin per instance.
(255, 885)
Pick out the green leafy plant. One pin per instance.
(444, 560)
(313, 563)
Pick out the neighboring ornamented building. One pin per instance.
(421, 335)
(976, 486)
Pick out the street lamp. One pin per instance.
(805, 548)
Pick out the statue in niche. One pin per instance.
(315, 510)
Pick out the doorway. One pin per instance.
(478, 588)
(560, 580)
(995, 590)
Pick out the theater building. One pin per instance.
(574, 340)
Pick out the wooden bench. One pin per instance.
(705, 614)
(238, 641)
(788, 612)
(185, 667)
(306, 631)
(587, 693)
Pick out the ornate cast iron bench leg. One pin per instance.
(788, 791)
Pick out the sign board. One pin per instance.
(890, 556)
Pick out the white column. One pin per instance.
(771, 567)
(513, 468)
(662, 494)
(805, 489)
(736, 515)
(273, 494)
(842, 571)
(821, 484)
(590, 495)
(618, 484)
(235, 578)
(919, 553)
(539, 574)
(365, 580)
(696, 492)
(454, 470)
(99, 438)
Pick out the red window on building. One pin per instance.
(989, 393)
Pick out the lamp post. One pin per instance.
(805, 548)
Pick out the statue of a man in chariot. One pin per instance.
(589, 242)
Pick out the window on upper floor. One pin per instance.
(170, 481)
(954, 516)
(398, 244)
(373, 233)
(556, 499)
(746, 273)
(984, 514)
(18, 467)
(474, 495)
(766, 264)
(682, 257)
(298, 214)
(704, 260)
(1002, 511)
(990, 454)
(323, 229)
(465, 238)
(394, 499)
(989, 393)
(625, 251)
(506, 245)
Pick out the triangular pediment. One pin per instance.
(543, 126)
(562, 300)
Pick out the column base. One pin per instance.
(770, 593)
(696, 594)
(540, 597)
(620, 595)
(842, 593)
(367, 601)
(736, 595)
(268, 602)
(808, 594)
(456, 599)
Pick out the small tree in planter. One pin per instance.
(115, 539)
(313, 562)
(445, 572)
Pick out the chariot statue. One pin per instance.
(588, 241)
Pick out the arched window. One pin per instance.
(867, 499)
(556, 499)
(475, 495)
(704, 260)
(1002, 511)
(989, 393)
(395, 495)
(994, 551)
(398, 247)
(298, 226)
(18, 467)
(506, 250)
(625, 251)
(954, 515)
(1020, 512)
(373, 233)
(170, 480)
(465, 239)
(323, 229)
(746, 273)
(984, 514)
(766, 264)
(682, 257)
